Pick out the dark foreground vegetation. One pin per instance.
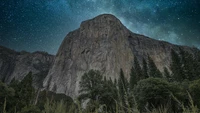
(147, 91)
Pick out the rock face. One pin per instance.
(18, 64)
(104, 44)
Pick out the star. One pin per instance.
(38, 25)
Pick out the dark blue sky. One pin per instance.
(33, 25)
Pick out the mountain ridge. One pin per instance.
(102, 43)
(14, 64)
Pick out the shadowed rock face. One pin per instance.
(18, 64)
(104, 44)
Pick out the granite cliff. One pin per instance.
(103, 43)
(18, 64)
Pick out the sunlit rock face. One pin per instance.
(105, 44)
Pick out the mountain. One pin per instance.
(18, 64)
(103, 43)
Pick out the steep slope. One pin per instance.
(104, 44)
(17, 65)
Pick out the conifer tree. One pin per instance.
(167, 74)
(91, 85)
(138, 69)
(133, 78)
(123, 86)
(188, 63)
(197, 65)
(176, 67)
(153, 70)
(122, 83)
(145, 68)
(136, 73)
(27, 91)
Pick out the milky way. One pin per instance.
(34, 25)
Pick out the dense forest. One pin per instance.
(175, 90)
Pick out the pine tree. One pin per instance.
(197, 65)
(27, 91)
(136, 73)
(153, 70)
(145, 68)
(122, 83)
(167, 74)
(24, 92)
(138, 69)
(123, 86)
(133, 78)
(91, 85)
(176, 67)
(188, 63)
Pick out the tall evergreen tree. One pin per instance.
(122, 83)
(133, 78)
(190, 66)
(24, 92)
(145, 68)
(91, 85)
(6, 95)
(167, 74)
(109, 95)
(138, 69)
(136, 73)
(98, 90)
(176, 67)
(27, 90)
(123, 88)
(197, 65)
(153, 70)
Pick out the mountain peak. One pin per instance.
(103, 25)
(105, 44)
(103, 20)
(107, 18)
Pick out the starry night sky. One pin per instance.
(33, 25)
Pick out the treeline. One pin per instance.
(148, 89)
(176, 90)
(21, 97)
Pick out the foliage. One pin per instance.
(27, 91)
(133, 78)
(152, 92)
(54, 107)
(94, 88)
(194, 89)
(136, 73)
(123, 89)
(147, 91)
(30, 109)
(138, 70)
(153, 70)
(45, 96)
(176, 67)
(91, 85)
(145, 69)
(187, 65)
(6, 96)
(184, 66)
(167, 74)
